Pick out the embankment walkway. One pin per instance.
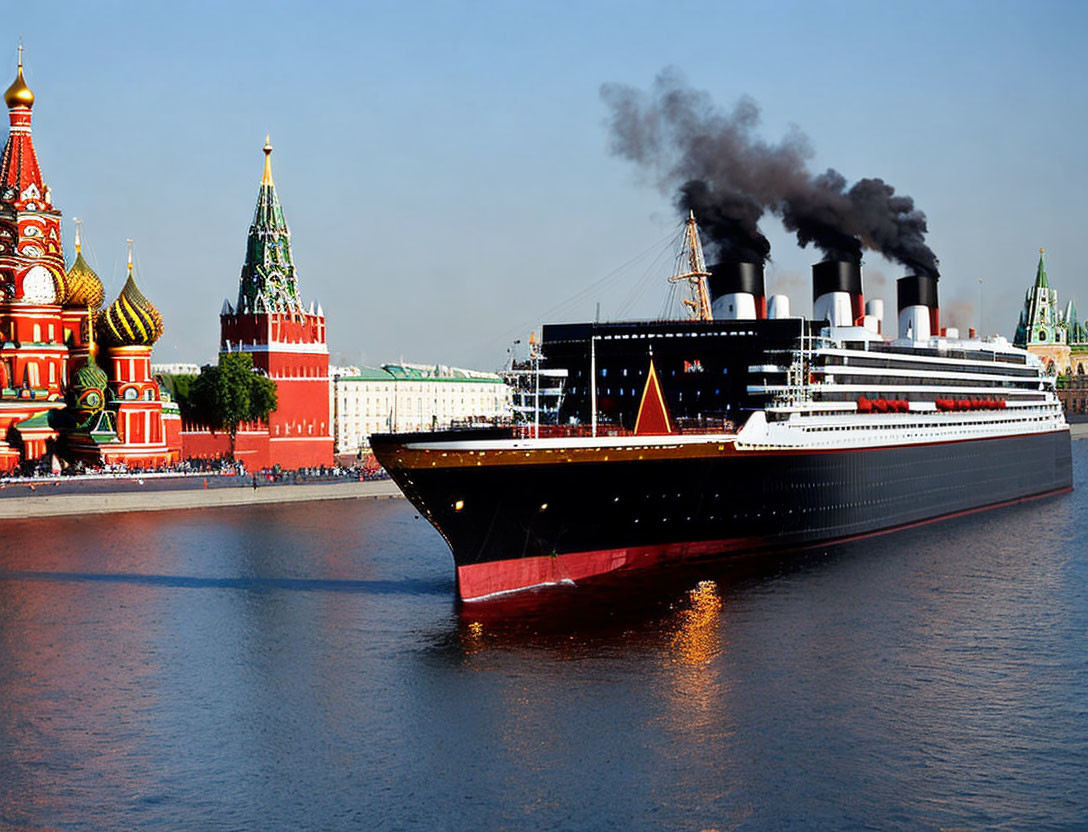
(74, 505)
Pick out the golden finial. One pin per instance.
(129, 257)
(92, 348)
(267, 178)
(19, 94)
(78, 223)
(1042, 250)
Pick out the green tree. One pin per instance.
(180, 388)
(231, 392)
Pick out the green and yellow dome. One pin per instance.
(131, 320)
(88, 388)
(90, 376)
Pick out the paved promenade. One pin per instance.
(49, 505)
(134, 494)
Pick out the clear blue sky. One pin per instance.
(445, 169)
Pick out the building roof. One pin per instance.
(84, 287)
(268, 282)
(418, 372)
(439, 372)
(1041, 281)
(368, 374)
(131, 320)
(19, 163)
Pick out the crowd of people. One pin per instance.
(364, 470)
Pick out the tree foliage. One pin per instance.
(231, 392)
(180, 388)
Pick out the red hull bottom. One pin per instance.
(479, 581)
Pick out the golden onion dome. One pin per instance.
(19, 94)
(131, 320)
(83, 286)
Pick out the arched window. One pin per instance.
(33, 378)
(37, 333)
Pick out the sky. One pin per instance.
(445, 167)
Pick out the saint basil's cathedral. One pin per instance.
(75, 380)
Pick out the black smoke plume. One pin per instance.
(730, 222)
(730, 177)
(820, 213)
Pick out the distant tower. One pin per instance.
(1040, 321)
(286, 339)
(1041, 328)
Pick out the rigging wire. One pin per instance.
(650, 277)
(581, 296)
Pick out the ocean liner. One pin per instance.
(740, 430)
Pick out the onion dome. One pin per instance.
(88, 387)
(19, 94)
(90, 376)
(131, 320)
(89, 382)
(83, 285)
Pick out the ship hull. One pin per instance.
(531, 516)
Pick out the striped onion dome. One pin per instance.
(131, 320)
(90, 376)
(83, 285)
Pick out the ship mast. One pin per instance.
(691, 266)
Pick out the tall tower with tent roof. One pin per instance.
(285, 337)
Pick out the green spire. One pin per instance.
(268, 282)
(1040, 273)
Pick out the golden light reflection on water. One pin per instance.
(696, 683)
(697, 638)
(697, 712)
(472, 638)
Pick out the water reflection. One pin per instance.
(697, 638)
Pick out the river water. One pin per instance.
(306, 667)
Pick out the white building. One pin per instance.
(408, 397)
(175, 369)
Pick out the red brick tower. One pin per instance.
(286, 340)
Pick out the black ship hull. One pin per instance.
(540, 514)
